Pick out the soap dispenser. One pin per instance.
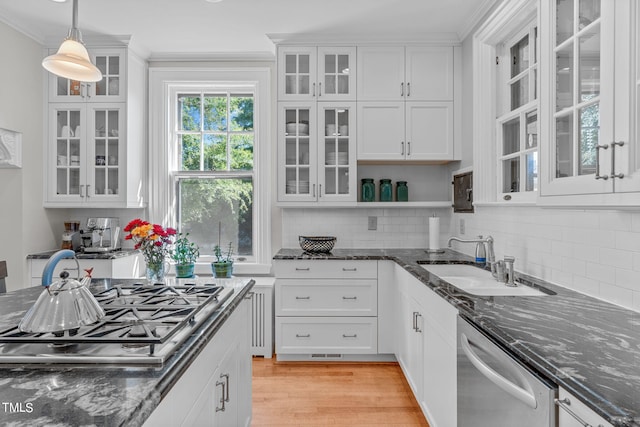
(481, 254)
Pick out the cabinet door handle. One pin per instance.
(303, 298)
(319, 190)
(226, 388)
(81, 190)
(415, 321)
(320, 89)
(303, 336)
(351, 298)
(314, 190)
(598, 147)
(402, 148)
(221, 408)
(349, 336)
(417, 325)
(408, 148)
(303, 269)
(314, 90)
(564, 404)
(613, 160)
(402, 89)
(408, 89)
(349, 269)
(88, 186)
(87, 91)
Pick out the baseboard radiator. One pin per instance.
(262, 320)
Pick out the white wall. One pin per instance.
(26, 225)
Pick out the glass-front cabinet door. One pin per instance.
(104, 149)
(297, 152)
(67, 160)
(336, 152)
(321, 74)
(111, 64)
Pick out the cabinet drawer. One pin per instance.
(320, 297)
(326, 269)
(346, 335)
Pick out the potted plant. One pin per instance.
(185, 253)
(223, 265)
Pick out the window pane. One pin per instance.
(532, 171)
(532, 129)
(511, 175)
(589, 66)
(241, 113)
(564, 77)
(190, 152)
(215, 152)
(519, 92)
(589, 132)
(564, 20)
(242, 152)
(189, 112)
(589, 12)
(520, 56)
(564, 146)
(511, 136)
(215, 113)
(217, 211)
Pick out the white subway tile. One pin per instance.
(616, 258)
(616, 294)
(628, 279)
(602, 273)
(627, 240)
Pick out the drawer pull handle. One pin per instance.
(303, 269)
(564, 404)
(303, 336)
(303, 297)
(349, 269)
(354, 298)
(349, 336)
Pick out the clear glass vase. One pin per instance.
(156, 271)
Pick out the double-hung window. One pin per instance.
(517, 114)
(214, 179)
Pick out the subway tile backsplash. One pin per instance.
(591, 251)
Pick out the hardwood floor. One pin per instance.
(332, 394)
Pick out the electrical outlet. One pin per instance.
(373, 223)
(462, 226)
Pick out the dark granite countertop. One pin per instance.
(81, 255)
(97, 395)
(588, 346)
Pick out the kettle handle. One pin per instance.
(47, 273)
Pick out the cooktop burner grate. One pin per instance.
(135, 315)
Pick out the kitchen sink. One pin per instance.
(477, 281)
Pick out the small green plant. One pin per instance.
(185, 251)
(220, 257)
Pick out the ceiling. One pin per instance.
(198, 28)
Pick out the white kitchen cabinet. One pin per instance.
(419, 131)
(125, 267)
(216, 389)
(426, 348)
(581, 415)
(326, 307)
(589, 119)
(418, 73)
(316, 73)
(406, 103)
(96, 137)
(316, 152)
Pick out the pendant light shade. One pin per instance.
(72, 59)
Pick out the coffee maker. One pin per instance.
(101, 235)
(71, 236)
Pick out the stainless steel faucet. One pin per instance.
(502, 270)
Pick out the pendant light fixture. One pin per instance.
(72, 59)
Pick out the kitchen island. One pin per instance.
(103, 394)
(585, 345)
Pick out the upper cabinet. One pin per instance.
(320, 73)
(589, 102)
(96, 136)
(406, 107)
(111, 63)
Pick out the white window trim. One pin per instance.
(162, 80)
(507, 18)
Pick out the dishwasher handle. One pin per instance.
(525, 396)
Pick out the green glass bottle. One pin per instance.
(402, 191)
(368, 190)
(386, 190)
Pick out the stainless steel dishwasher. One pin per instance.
(494, 390)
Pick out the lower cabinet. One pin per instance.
(326, 308)
(574, 413)
(125, 267)
(426, 348)
(216, 389)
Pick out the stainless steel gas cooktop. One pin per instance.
(144, 325)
